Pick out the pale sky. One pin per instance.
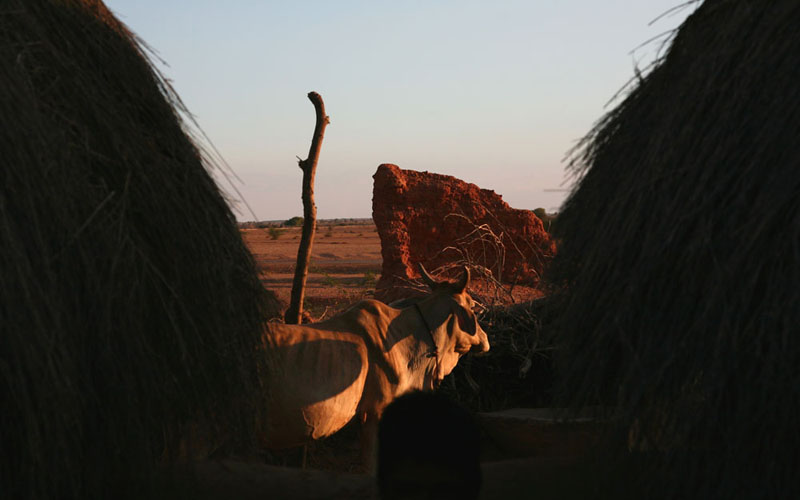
(494, 93)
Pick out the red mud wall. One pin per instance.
(412, 211)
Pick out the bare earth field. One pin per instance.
(345, 264)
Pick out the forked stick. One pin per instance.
(309, 168)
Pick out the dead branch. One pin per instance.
(491, 270)
(309, 168)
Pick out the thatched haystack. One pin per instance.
(680, 259)
(129, 306)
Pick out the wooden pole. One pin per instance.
(309, 167)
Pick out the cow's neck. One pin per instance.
(434, 349)
(415, 341)
(436, 313)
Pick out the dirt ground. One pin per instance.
(345, 264)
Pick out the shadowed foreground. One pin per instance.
(548, 478)
(680, 261)
(129, 306)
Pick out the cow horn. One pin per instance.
(427, 277)
(464, 281)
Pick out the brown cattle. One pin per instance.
(324, 374)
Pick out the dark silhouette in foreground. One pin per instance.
(428, 447)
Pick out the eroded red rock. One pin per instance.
(420, 214)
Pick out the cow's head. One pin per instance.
(455, 327)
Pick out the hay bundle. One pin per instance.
(680, 258)
(129, 306)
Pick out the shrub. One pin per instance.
(296, 221)
(369, 279)
(330, 280)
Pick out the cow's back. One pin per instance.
(315, 381)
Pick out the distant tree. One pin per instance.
(548, 220)
(296, 221)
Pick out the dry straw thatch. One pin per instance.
(129, 305)
(680, 258)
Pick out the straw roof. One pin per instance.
(129, 305)
(680, 259)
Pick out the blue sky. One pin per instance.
(494, 93)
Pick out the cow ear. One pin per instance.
(432, 283)
(463, 283)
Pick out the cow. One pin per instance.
(323, 374)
